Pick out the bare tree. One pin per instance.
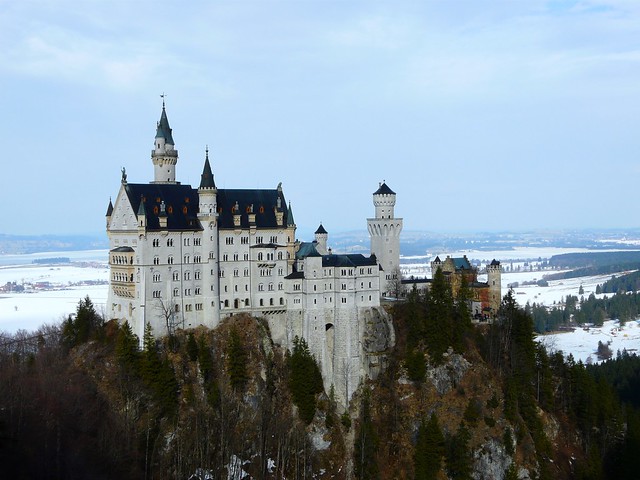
(173, 319)
(394, 284)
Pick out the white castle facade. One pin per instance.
(181, 257)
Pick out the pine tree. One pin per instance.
(366, 444)
(439, 317)
(192, 347)
(158, 374)
(459, 455)
(81, 327)
(236, 361)
(127, 351)
(305, 379)
(429, 450)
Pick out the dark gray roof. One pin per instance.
(307, 249)
(294, 276)
(320, 230)
(109, 209)
(384, 190)
(495, 263)
(122, 249)
(163, 130)
(350, 260)
(290, 221)
(265, 204)
(206, 179)
(181, 204)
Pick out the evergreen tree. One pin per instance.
(429, 450)
(439, 317)
(205, 362)
(305, 379)
(366, 444)
(192, 347)
(459, 459)
(127, 351)
(158, 374)
(81, 327)
(236, 361)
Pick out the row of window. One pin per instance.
(239, 303)
(186, 242)
(122, 277)
(244, 240)
(261, 257)
(261, 286)
(121, 260)
(186, 259)
(176, 292)
(264, 272)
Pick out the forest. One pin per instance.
(84, 400)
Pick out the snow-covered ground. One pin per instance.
(583, 343)
(30, 309)
(518, 263)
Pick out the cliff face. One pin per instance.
(217, 403)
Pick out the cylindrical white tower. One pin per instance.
(164, 156)
(384, 231)
(208, 216)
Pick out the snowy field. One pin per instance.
(581, 344)
(29, 311)
(34, 307)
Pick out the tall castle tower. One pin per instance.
(494, 279)
(164, 155)
(208, 217)
(384, 231)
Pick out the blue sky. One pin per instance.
(482, 116)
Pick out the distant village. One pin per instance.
(30, 286)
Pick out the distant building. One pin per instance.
(486, 296)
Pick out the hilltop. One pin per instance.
(81, 400)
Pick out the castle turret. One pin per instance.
(208, 216)
(142, 217)
(164, 156)
(494, 279)
(384, 231)
(321, 238)
(109, 213)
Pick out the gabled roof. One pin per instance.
(264, 202)
(384, 190)
(307, 249)
(181, 204)
(462, 263)
(163, 130)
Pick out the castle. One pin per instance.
(182, 257)
(485, 296)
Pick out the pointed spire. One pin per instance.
(290, 221)
(321, 230)
(109, 208)
(141, 210)
(164, 130)
(206, 179)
